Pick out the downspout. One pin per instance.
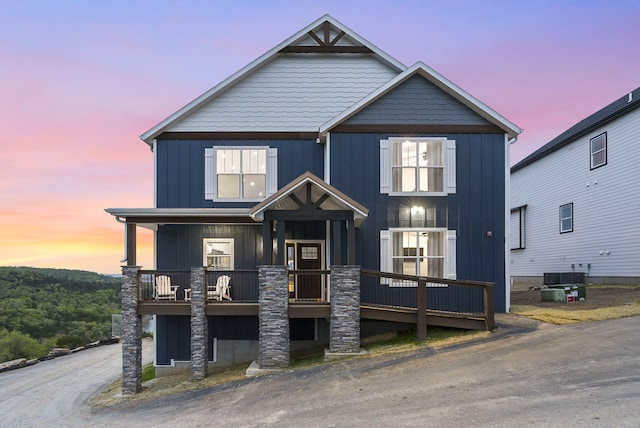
(126, 255)
(507, 223)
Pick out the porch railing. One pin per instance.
(244, 283)
(429, 295)
(309, 285)
(147, 284)
(425, 295)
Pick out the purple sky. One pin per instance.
(81, 80)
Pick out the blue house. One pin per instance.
(323, 152)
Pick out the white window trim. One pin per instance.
(386, 254)
(210, 176)
(448, 166)
(562, 218)
(592, 153)
(206, 241)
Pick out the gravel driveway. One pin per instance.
(56, 392)
(528, 374)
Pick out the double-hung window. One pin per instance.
(240, 173)
(419, 166)
(566, 218)
(598, 146)
(218, 253)
(427, 252)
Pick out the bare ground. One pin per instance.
(598, 296)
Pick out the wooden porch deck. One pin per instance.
(384, 296)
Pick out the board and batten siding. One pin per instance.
(180, 168)
(477, 207)
(606, 207)
(295, 92)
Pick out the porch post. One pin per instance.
(351, 242)
(273, 317)
(199, 325)
(281, 249)
(337, 242)
(131, 333)
(344, 330)
(131, 244)
(267, 242)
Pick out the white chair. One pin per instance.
(222, 289)
(164, 289)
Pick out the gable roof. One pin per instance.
(612, 111)
(346, 39)
(438, 80)
(326, 196)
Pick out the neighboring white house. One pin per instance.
(575, 202)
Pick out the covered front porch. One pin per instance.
(291, 279)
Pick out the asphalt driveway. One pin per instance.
(527, 375)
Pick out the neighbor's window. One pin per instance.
(598, 150)
(218, 253)
(517, 228)
(247, 173)
(566, 218)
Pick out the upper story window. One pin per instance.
(566, 218)
(517, 227)
(218, 253)
(598, 150)
(419, 166)
(240, 173)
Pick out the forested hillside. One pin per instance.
(45, 308)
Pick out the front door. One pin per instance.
(305, 255)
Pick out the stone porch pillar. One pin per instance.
(199, 325)
(344, 330)
(131, 332)
(273, 315)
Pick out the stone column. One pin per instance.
(273, 315)
(131, 332)
(344, 330)
(199, 325)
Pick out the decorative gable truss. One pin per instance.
(326, 39)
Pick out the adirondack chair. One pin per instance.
(222, 289)
(164, 289)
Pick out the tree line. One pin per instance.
(45, 308)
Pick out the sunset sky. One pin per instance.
(81, 80)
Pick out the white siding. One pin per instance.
(295, 92)
(606, 206)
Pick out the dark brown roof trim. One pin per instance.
(326, 49)
(238, 136)
(189, 220)
(448, 129)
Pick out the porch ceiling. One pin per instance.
(152, 217)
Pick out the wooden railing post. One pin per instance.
(489, 309)
(421, 306)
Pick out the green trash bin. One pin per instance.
(553, 295)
